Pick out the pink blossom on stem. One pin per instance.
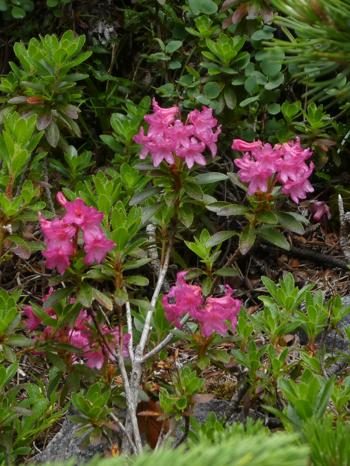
(191, 152)
(61, 199)
(94, 359)
(254, 173)
(217, 311)
(299, 188)
(161, 116)
(319, 210)
(58, 257)
(61, 235)
(181, 299)
(78, 339)
(56, 230)
(96, 245)
(32, 321)
(263, 165)
(203, 122)
(212, 314)
(82, 336)
(81, 215)
(243, 146)
(168, 137)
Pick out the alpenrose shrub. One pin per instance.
(61, 235)
(81, 335)
(168, 137)
(263, 166)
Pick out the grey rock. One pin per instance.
(337, 340)
(222, 409)
(66, 445)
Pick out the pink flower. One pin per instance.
(191, 152)
(320, 209)
(95, 359)
(167, 137)
(161, 116)
(212, 315)
(79, 339)
(203, 122)
(82, 320)
(262, 166)
(243, 146)
(159, 146)
(58, 257)
(253, 172)
(96, 245)
(217, 311)
(95, 355)
(181, 299)
(81, 215)
(61, 199)
(56, 230)
(299, 188)
(61, 235)
(292, 162)
(32, 321)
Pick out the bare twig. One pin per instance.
(131, 398)
(153, 251)
(130, 329)
(147, 326)
(120, 425)
(158, 348)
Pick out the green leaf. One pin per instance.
(103, 299)
(145, 194)
(263, 34)
(267, 217)
(271, 61)
(52, 134)
(210, 177)
(208, 7)
(230, 98)
(226, 209)
(3, 5)
(186, 215)
(18, 12)
(227, 272)
(275, 237)
(57, 297)
(219, 238)
(324, 397)
(19, 340)
(212, 89)
(249, 100)
(86, 295)
(173, 45)
(137, 280)
(247, 239)
(289, 222)
(274, 82)
(273, 109)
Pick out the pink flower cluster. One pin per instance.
(168, 136)
(61, 235)
(81, 335)
(263, 165)
(212, 314)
